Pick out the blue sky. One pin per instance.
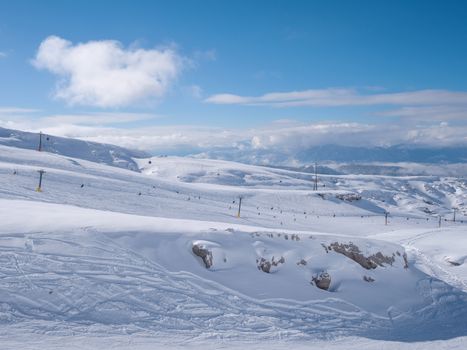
(240, 67)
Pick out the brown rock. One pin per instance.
(353, 252)
(322, 281)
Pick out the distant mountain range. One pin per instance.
(346, 154)
(399, 153)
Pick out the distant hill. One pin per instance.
(92, 151)
(399, 153)
(340, 154)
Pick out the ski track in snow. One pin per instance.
(103, 279)
(427, 264)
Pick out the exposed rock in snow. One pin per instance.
(351, 251)
(322, 281)
(349, 197)
(368, 279)
(266, 265)
(204, 253)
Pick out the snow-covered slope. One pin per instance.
(92, 151)
(423, 196)
(162, 255)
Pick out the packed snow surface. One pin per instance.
(108, 257)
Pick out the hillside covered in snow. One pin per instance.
(92, 151)
(185, 252)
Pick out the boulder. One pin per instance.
(204, 253)
(322, 281)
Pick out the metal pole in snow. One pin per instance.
(40, 142)
(39, 188)
(454, 218)
(315, 185)
(386, 218)
(239, 206)
(439, 221)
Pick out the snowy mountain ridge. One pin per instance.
(92, 151)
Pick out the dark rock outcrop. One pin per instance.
(349, 197)
(406, 261)
(204, 253)
(351, 251)
(266, 265)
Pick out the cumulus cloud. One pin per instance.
(296, 138)
(105, 74)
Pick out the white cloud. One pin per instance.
(2, 54)
(429, 112)
(105, 74)
(154, 139)
(296, 138)
(82, 125)
(16, 110)
(284, 137)
(148, 138)
(97, 118)
(281, 137)
(343, 97)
